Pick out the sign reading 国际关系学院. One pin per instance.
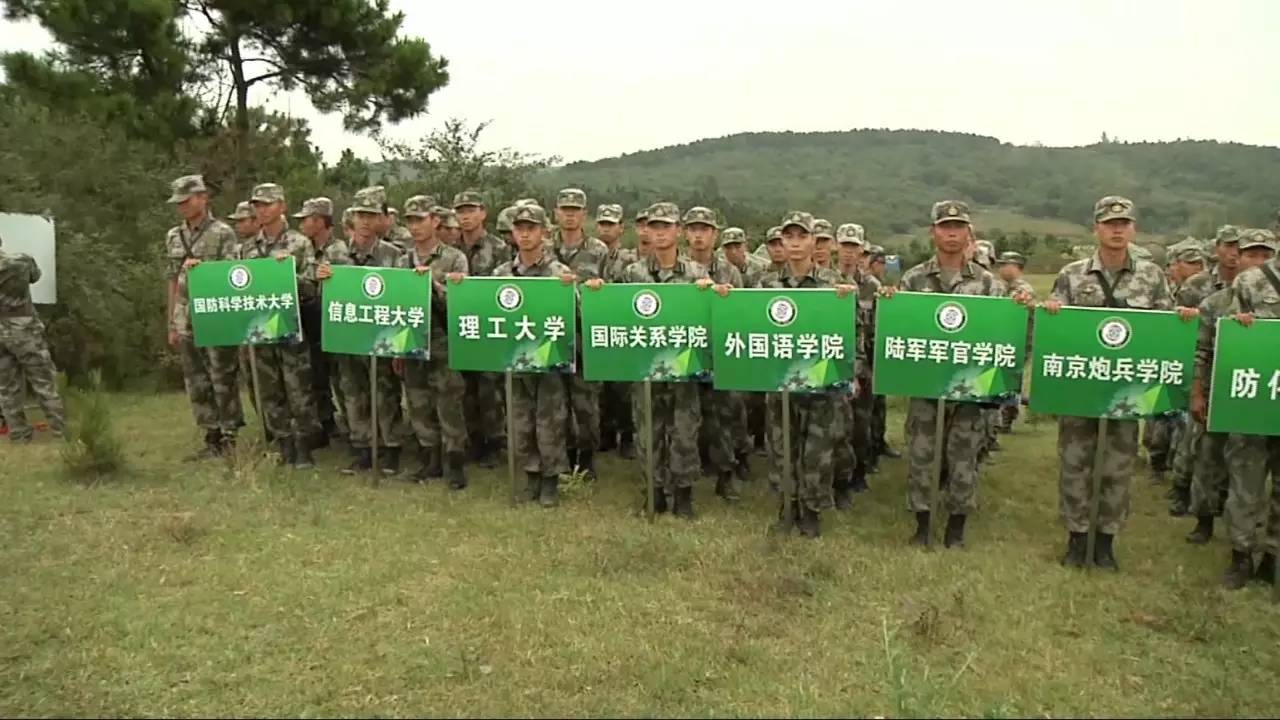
(376, 311)
(243, 302)
(770, 340)
(1245, 397)
(642, 332)
(524, 325)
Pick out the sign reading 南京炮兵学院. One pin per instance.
(658, 332)
(243, 302)
(524, 325)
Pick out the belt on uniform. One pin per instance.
(27, 311)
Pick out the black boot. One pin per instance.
(302, 459)
(726, 487)
(587, 465)
(316, 441)
(627, 447)
(1077, 546)
(212, 447)
(742, 466)
(1240, 570)
(453, 470)
(389, 460)
(922, 529)
(788, 517)
(287, 451)
(489, 451)
(842, 493)
(810, 523)
(684, 503)
(533, 486)
(608, 440)
(550, 491)
(1203, 532)
(660, 504)
(1104, 552)
(954, 536)
(1178, 502)
(858, 480)
(430, 468)
(1265, 572)
(889, 452)
(363, 461)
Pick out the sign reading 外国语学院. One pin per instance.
(957, 347)
(1245, 397)
(1104, 362)
(769, 340)
(376, 311)
(660, 332)
(243, 302)
(524, 325)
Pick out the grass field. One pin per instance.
(219, 589)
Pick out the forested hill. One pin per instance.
(887, 179)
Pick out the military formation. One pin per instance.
(308, 399)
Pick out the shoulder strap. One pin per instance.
(1271, 276)
(1109, 292)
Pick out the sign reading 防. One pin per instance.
(376, 311)
(244, 302)
(957, 347)
(770, 340)
(519, 324)
(1104, 362)
(660, 332)
(1245, 397)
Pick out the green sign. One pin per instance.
(646, 332)
(244, 302)
(376, 311)
(520, 324)
(1245, 397)
(768, 340)
(958, 347)
(1104, 362)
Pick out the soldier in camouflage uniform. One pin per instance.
(1250, 458)
(733, 242)
(851, 241)
(677, 410)
(983, 253)
(946, 272)
(1009, 267)
(539, 401)
(24, 356)
(585, 257)
(367, 249)
(284, 369)
(875, 256)
(503, 227)
(1111, 277)
(643, 245)
(824, 235)
(433, 392)
(616, 427)
(1162, 435)
(449, 230)
(244, 222)
(210, 374)
(316, 223)
(395, 233)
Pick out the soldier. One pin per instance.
(733, 241)
(946, 272)
(983, 254)
(585, 257)
(1111, 277)
(434, 393)
(677, 411)
(643, 245)
(1009, 266)
(773, 249)
(284, 369)
(449, 230)
(539, 401)
(503, 225)
(393, 232)
(367, 249)
(1251, 457)
(1162, 435)
(851, 240)
(813, 419)
(824, 236)
(616, 428)
(316, 223)
(24, 356)
(209, 373)
(244, 222)
(879, 410)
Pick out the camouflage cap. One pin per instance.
(526, 201)
(1140, 253)
(186, 186)
(322, 206)
(733, 236)
(267, 193)
(664, 212)
(1257, 237)
(529, 214)
(448, 218)
(875, 252)
(372, 199)
(504, 219)
(243, 211)
(851, 234)
(986, 253)
(1184, 251)
(609, 213)
(1011, 258)
(1226, 234)
(419, 206)
(642, 216)
(775, 233)
(950, 211)
(571, 198)
(348, 218)
(699, 215)
(467, 197)
(1114, 207)
(823, 229)
(799, 218)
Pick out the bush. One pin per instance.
(92, 451)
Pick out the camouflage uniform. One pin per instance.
(857, 450)
(210, 374)
(24, 356)
(1208, 449)
(399, 236)
(1009, 411)
(1137, 284)
(1167, 437)
(324, 366)
(752, 405)
(616, 426)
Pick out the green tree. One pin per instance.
(349, 174)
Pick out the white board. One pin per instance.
(33, 235)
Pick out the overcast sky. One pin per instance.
(593, 80)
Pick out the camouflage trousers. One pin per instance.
(615, 409)
(359, 397)
(1077, 447)
(1249, 459)
(863, 408)
(843, 456)
(540, 420)
(484, 407)
(284, 389)
(584, 407)
(1185, 435)
(753, 408)
(1157, 438)
(1209, 482)
(964, 434)
(24, 358)
(879, 417)
(814, 433)
(719, 421)
(434, 400)
(1008, 416)
(211, 378)
(677, 415)
(321, 364)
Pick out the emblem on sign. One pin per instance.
(240, 277)
(951, 317)
(510, 298)
(782, 311)
(1114, 333)
(373, 286)
(646, 304)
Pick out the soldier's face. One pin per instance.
(247, 227)
(702, 237)
(952, 237)
(311, 226)
(421, 228)
(1228, 255)
(528, 236)
(850, 254)
(777, 252)
(1183, 270)
(194, 207)
(609, 232)
(644, 243)
(1254, 257)
(822, 251)
(1009, 271)
(1115, 234)
(368, 225)
(662, 235)
(798, 243)
(450, 235)
(877, 269)
(570, 218)
(267, 213)
(471, 217)
(736, 254)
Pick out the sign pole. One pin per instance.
(373, 414)
(788, 481)
(511, 443)
(648, 448)
(1095, 499)
(939, 447)
(257, 396)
